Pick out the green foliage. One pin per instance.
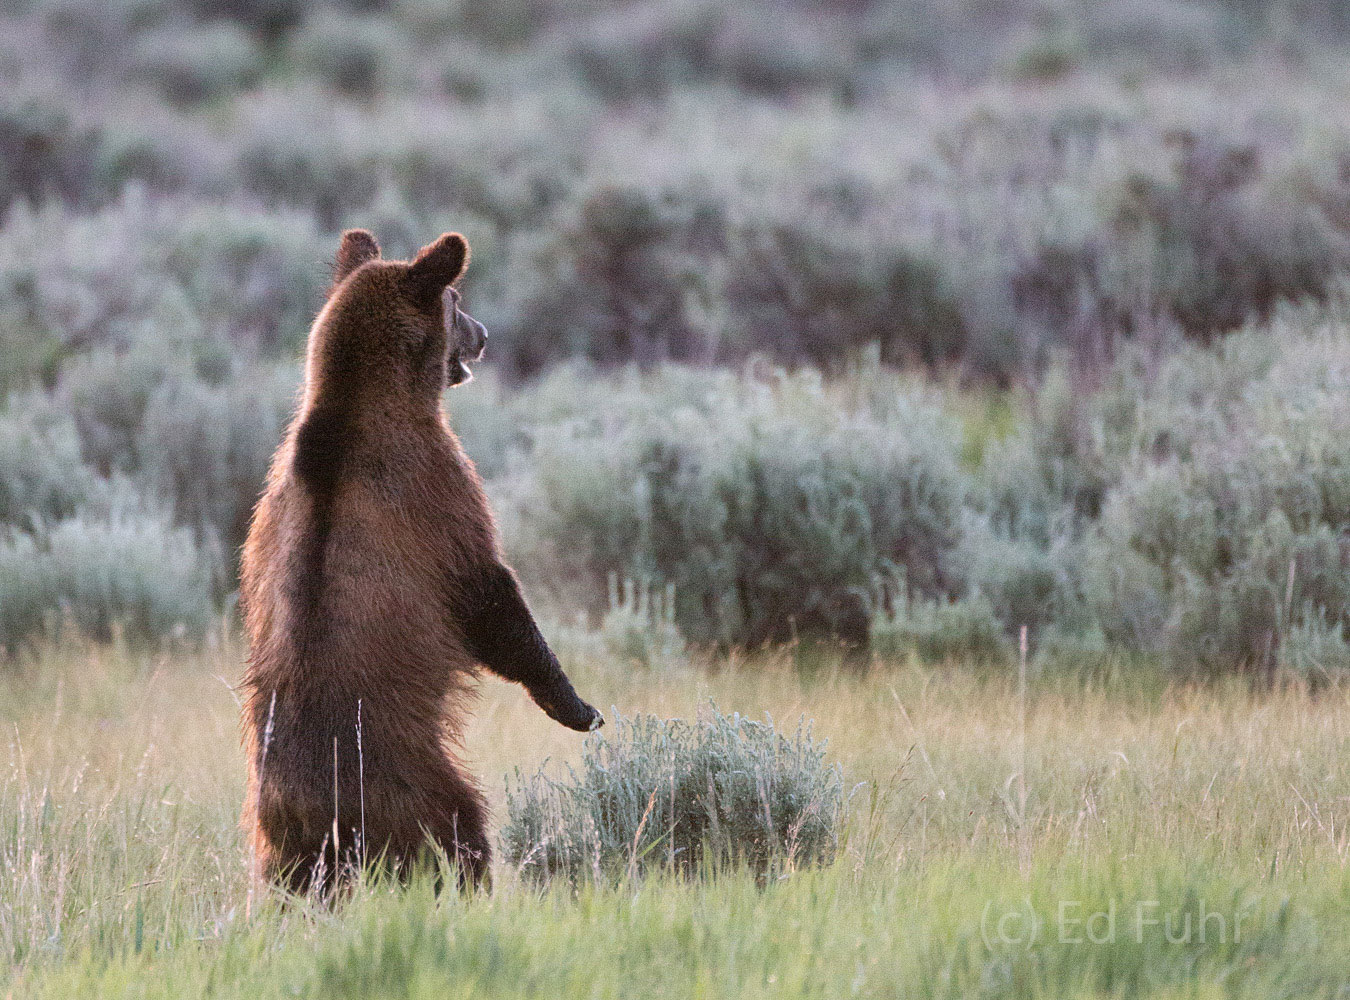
(200, 64)
(212, 447)
(128, 571)
(773, 507)
(621, 277)
(638, 628)
(655, 793)
(360, 56)
(940, 631)
(42, 476)
(126, 873)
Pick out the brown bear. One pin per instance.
(373, 587)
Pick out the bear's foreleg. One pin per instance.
(502, 635)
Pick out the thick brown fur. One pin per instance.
(373, 587)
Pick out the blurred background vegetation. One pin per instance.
(904, 323)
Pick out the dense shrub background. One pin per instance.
(1189, 505)
(956, 183)
(771, 507)
(905, 323)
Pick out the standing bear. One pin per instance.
(373, 587)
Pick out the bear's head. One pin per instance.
(393, 326)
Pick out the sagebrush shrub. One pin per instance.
(212, 446)
(131, 571)
(254, 277)
(1224, 536)
(1216, 254)
(938, 631)
(46, 148)
(645, 49)
(773, 508)
(360, 56)
(301, 149)
(813, 289)
(622, 276)
(653, 793)
(154, 273)
(1033, 495)
(107, 394)
(198, 64)
(269, 17)
(71, 282)
(1316, 648)
(785, 54)
(651, 181)
(638, 628)
(42, 475)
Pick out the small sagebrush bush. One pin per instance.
(644, 50)
(654, 793)
(1220, 244)
(268, 17)
(1316, 648)
(254, 277)
(46, 149)
(938, 631)
(1034, 492)
(107, 394)
(805, 288)
(129, 571)
(212, 449)
(786, 54)
(639, 627)
(154, 272)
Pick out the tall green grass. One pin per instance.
(122, 872)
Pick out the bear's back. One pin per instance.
(347, 588)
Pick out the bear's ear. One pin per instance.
(357, 247)
(436, 267)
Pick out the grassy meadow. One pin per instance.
(988, 852)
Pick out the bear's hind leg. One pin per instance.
(463, 830)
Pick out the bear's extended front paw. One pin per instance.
(573, 713)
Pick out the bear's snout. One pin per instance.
(472, 335)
